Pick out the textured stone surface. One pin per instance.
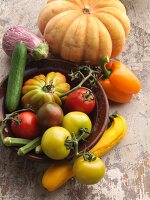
(128, 164)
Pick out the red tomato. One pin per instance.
(82, 100)
(26, 127)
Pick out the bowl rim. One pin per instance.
(33, 156)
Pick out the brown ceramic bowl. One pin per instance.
(99, 115)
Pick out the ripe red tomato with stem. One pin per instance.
(82, 100)
(25, 125)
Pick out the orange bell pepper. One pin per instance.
(118, 81)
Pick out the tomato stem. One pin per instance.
(76, 145)
(105, 72)
(1, 131)
(83, 133)
(85, 78)
(11, 115)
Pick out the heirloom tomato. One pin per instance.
(88, 172)
(50, 114)
(44, 89)
(74, 121)
(53, 142)
(80, 100)
(25, 125)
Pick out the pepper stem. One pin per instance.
(114, 115)
(105, 72)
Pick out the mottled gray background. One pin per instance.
(128, 164)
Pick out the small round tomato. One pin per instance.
(53, 142)
(80, 100)
(88, 172)
(25, 125)
(74, 121)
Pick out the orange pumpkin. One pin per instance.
(84, 30)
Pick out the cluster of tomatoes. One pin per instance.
(56, 123)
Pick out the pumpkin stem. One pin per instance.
(86, 10)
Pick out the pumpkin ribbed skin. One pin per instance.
(84, 30)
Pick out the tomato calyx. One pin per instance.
(83, 133)
(73, 143)
(87, 96)
(89, 157)
(68, 143)
(17, 120)
(48, 88)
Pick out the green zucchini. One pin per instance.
(15, 78)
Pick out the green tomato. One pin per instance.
(74, 121)
(53, 142)
(88, 172)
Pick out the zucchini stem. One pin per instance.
(29, 147)
(38, 149)
(10, 141)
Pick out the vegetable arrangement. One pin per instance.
(46, 114)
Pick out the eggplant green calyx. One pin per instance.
(41, 52)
